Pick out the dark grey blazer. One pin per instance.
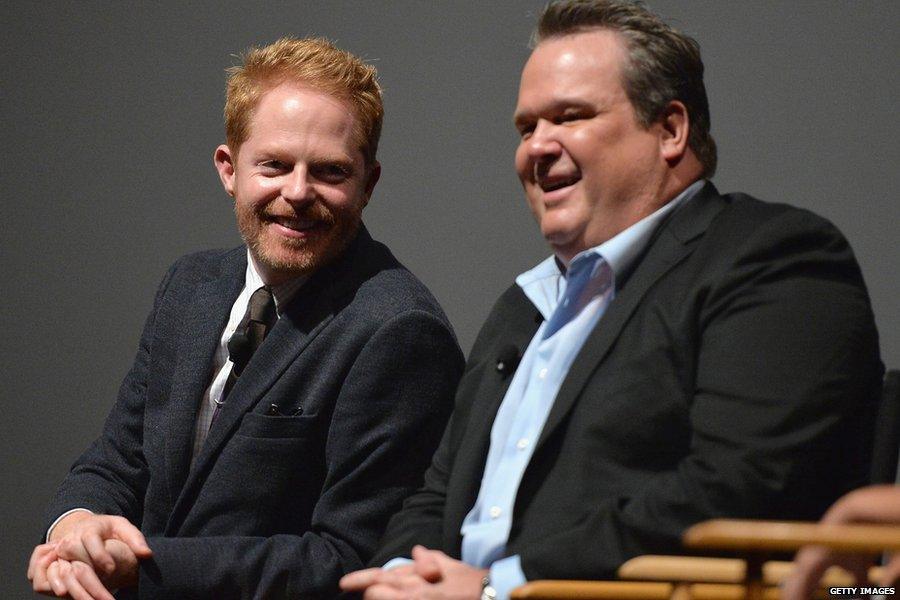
(733, 374)
(275, 506)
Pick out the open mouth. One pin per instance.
(551, 184)
(295, 225)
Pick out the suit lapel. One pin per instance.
(307, 314)
(671, 244)
(204, 320)
(521, 320)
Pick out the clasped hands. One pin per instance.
(87, 556)
(432, 575)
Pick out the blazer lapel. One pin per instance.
(204, 320)
(307, 314)
(521, 320)
(671, 244)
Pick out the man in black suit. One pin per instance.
(682, 355)
(286, 395)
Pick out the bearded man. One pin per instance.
(287, 394)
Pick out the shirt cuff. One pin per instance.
(506, 575)
(396, 562)
(60, 518)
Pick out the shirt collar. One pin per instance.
(541, 284)
(283, 293)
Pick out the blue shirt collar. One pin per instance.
(541, 284)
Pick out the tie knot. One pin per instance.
(262, 306)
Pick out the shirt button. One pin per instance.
(495, 512)
(522, 444)
(543, 373)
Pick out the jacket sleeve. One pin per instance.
(787, 371)
(111, 476)
(392, 407)
(423, 517)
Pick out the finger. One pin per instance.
(122, 555)
(410, 584)
(385, 592)
(89, 581)
(39, 581)
(360, 580)
(407, 569)
(54, 577)
(71, 547)
(100, 558)
(809, 565)
(41, 551)
(74, 588)
(123, 530)
(427, 564)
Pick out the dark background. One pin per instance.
(111, 111)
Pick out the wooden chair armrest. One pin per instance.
(630, 590)
(771, 536)
(652, 567)
(551, 589)
(700, 569)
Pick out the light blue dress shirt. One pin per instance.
(572, 305)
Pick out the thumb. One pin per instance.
(426, 563)
(124, 531)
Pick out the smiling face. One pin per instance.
(299, 181)
(589, 169)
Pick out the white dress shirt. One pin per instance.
(222, 365)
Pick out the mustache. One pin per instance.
(315, 211)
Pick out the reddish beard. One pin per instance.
(293, 257)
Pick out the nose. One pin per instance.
(542, 145)
(297, 186)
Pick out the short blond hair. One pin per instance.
(312, 62)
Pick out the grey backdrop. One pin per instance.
(110, 113)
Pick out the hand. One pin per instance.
(54, 576)
(82, 537)
(873, 504)
(432, 576)
(51, 575)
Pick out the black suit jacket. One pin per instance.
(274, 506)
(733, 374)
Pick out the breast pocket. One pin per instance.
(270, 473)
(256, 425)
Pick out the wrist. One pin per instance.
(66, 522)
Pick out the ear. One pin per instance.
(224, 160)
(674, 128)
(372, 177)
